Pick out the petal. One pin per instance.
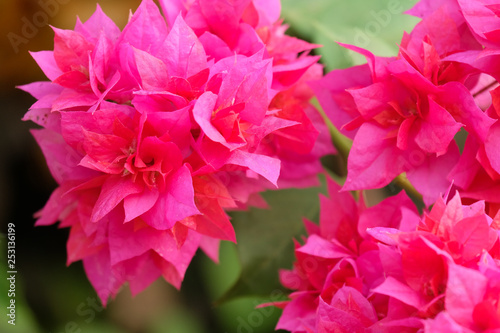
(175, 204)
(113, 191)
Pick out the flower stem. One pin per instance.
(405, 184)
(343, 145)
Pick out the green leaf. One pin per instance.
(376, 25)
(265, 239)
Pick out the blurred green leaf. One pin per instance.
(376, 25)
(265, 238)
(178, 321)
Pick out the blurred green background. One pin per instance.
(51, 297)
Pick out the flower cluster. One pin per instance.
(383, 269)
(404, 113)
(154, 131)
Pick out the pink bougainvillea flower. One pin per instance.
(482, 18)
(153, 132)
(440, 267)
(476, 174)
(248, 27)
(405, 110)
(472, 298)
(385, 269)
(340, 263)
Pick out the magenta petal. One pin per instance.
(103, 279)
(175, 204)
(387, 214)
(79, 245)
(202, 114)
(397, 289)
(125, 242)
(374, 160)
(349, 311)
(41, 89)
(466, 169)
(456, 98)
(384, 235)
(443, 323)
(331, 92)
(223, 17)
(319, 247)
(214, 46)
(266, 166)
(373, 99)
(472, 233)
(153, 72)
(138, 203)
(245, 80)
(71, 50)
(172, 8)
(182, 51)
(177, 124)
(62, 159)
(426, 7)
(465, 288)
(479, 17)
(491, 147)
(47, 62)
(339, 213)
(269, 11)
(255, 93)
(178, 261)
(141, 271)
(97, 24)
(288, 74)
(114, 190)
(146, 28)
(299, 313)
(210, 246)
(54, 207)
(430, 176)
(70, 98)
(437, 130)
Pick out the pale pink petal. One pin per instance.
(267, 167)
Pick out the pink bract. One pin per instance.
(385, 269)
(340, 264)
(153, 132)
(403, 113)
